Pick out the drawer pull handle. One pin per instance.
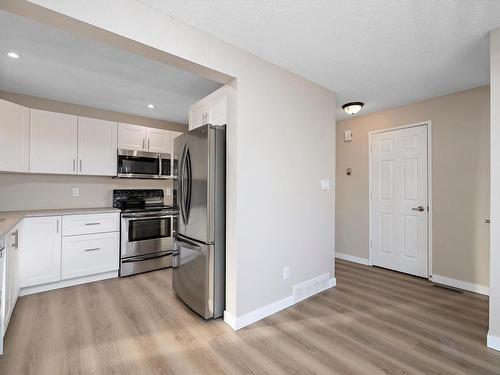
(93, 249)
(92, 223)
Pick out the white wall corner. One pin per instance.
(352, 258)
(301, 291)
(493, 342)
(333, 282)
(230, 320)
(471, 287)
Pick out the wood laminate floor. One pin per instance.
(374, 322)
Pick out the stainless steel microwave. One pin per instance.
(141, 164)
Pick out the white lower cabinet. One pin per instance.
(41, 254)
(11, 280)
(89, 254)
(59, 251)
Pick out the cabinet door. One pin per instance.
(89, 254)
(14, 137)
(158, 140)
(53, 142)
(199, 114)
(218, 110)
(131, 137)
(97, 146)
(41, 253)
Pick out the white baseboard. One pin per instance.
(493, 342)
(471, 287)
(301, 291)
(66, 283)
(352, 258)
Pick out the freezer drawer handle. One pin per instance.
(187, 245)
(137, 259)
(92, 223)
(93, 249)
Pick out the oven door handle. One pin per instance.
(141, 259)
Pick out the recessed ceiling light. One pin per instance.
(353, 107)
(151, 106)
(13, 55)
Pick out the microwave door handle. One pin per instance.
(159, 163)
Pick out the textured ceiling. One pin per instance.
(383, 52)
(58, 65)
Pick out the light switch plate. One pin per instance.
(76, 192)
(167, 191)
(325, 184)
(347, 135)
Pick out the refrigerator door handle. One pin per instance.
(181, 185)
(185, 185)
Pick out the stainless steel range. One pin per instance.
(147, 226)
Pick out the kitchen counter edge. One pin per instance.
(12, 218)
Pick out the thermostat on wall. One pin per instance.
(347, 135)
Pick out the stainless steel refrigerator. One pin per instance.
(198, 259)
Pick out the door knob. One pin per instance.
(419, 208)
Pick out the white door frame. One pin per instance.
(428, 124)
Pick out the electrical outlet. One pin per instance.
(286, 273)
(76, 192)
(167, 191)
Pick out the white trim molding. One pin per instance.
(493, 342)
(66, 283)
(352, 258)
(301, 292)
(465, 285)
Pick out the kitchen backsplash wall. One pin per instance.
(41, 191)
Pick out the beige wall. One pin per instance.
(460, 174)
(494, 329)
(38, 191)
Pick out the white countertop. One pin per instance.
(14, 217)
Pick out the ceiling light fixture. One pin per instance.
(151, 106)
(353, 107)
(13, 55)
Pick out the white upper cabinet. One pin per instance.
(131, 137)
(14, 137)
(199, 114)
(97, 144)
(218, 109)
(141, 138)
(212, 109)
(53, 142)
(158, 140)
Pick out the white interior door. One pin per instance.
(399, 215)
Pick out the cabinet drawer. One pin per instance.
(87, 224)
(89, 254)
